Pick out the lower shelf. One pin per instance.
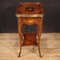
(29, 39)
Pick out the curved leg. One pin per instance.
(20, 51)
(39, 52)
(39, 46)
(39, 35)
(20, 45)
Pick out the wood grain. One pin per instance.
(30, 38)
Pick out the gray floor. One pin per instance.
(50, 47)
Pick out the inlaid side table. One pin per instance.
(30, 17)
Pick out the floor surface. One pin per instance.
(50, 47)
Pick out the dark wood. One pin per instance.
(30, 38)
(21, 8)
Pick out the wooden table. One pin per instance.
(30, 17)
